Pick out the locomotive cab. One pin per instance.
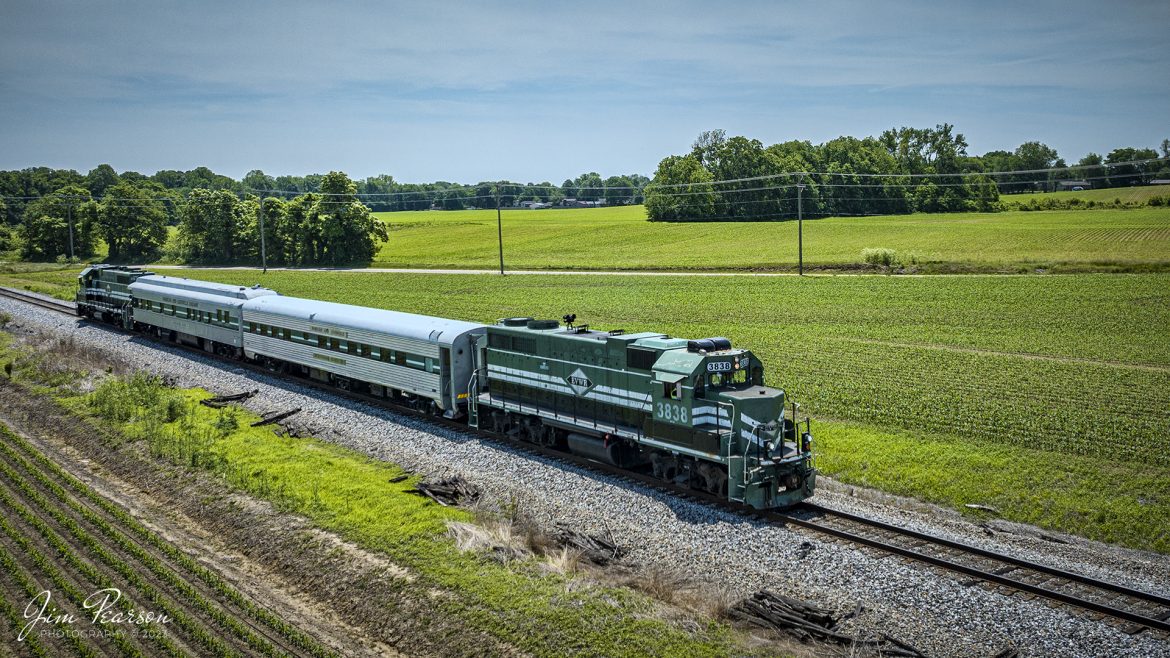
(103, 293)
(768, 465)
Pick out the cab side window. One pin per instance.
(671, 390)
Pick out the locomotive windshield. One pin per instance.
(721, 379)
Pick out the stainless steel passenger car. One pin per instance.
(424, 358)
(200, 313)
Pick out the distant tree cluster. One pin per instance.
(329, 227)
(384, 194)
(901, 171)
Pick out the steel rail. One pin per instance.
(37, 300)
(1159, 622)
(985, 553)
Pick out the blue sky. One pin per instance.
(545, 91)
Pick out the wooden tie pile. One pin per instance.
(807, 622)
(448, 491)
(221, 401)
(275, 417)
(595, 548)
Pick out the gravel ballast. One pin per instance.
(932, 610)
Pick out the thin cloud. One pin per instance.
(466, 91)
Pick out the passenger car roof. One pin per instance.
(395, 323)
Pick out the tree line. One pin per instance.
(903, 170)
(384, 194)
(324, 218)
(309, 220)
(213, 226)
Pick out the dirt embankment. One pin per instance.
(350, 600)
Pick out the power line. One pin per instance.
(522, 188)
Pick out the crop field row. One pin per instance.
(58, 535)
(1102, 411)
(621, 239)
(1134, 235)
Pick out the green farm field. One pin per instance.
(1135, 194)
(1045, 397)
(620, 238)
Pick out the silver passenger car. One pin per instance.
(419, 355)
(201, 313)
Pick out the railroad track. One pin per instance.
(1141, 610)
(38, 300)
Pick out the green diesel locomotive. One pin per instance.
(694, 411)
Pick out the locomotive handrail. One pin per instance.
(730, 438)
(472, 399)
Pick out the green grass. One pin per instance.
(1061, 372)
(619, 238)
(1120, 502)
(1134, 194)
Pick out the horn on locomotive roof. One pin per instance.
(569, 319)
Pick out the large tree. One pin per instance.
(211, 227)
(707, 147)
(937, 150)
(680, 190)
(589, 186)
(350, 234)
(133, 222)
(258, 182)
(847, 189)
(101, 178)
(1129, 166)
(619, 190)
(757, 192)
(55, 223)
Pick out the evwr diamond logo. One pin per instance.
(579, 382)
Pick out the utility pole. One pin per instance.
(263, 253)
(800, 225)
(500, 229)
(69, 211)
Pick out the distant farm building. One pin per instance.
(1073, 185)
